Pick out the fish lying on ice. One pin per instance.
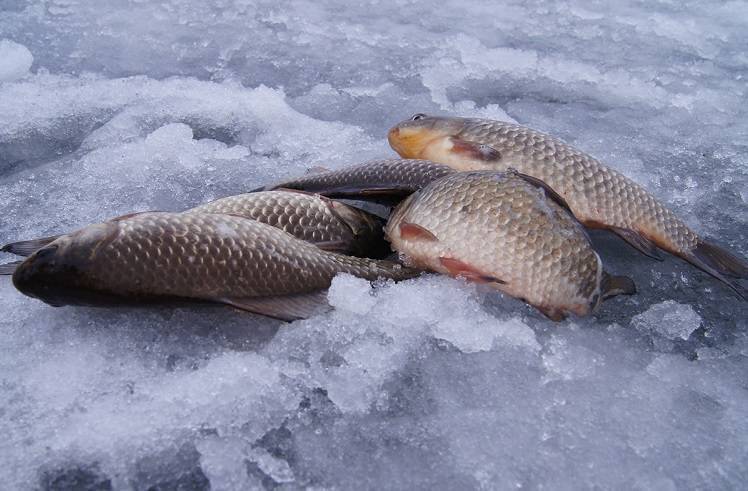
(388, 180)
(155, 257)
(598, 196)
(507, 231)
(330, 225)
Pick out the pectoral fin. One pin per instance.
(412, 231)
(286, 307)
(470, 273)
(474, 151)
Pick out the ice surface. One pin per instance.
(108, 107)
(15, 60)
(668, 319)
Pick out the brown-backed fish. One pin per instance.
(154, 257)
(376, 180)
(599, 196)
(330, 225)
(507, 231)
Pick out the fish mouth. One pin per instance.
(411, 142)
(29, 278)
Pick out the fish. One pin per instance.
(599, 196)
(159, 257)
(329, 224)
(386, 181)
(507, 231)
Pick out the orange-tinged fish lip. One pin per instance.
(410, 143)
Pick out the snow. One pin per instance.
(15, 60)
(109, 107)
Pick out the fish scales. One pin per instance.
(599, 196)
(308, 217)
(329, 224)
(406, 175)
(505, 228)
(202, 256)
(595, 192)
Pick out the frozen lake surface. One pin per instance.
(111, 106)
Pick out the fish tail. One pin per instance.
(719, 263)
(8, 269)
(27, 247)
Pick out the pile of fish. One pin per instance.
(274, 251)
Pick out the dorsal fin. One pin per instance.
(549, 191)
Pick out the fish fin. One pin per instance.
(553, 313)
(411, 231)
(638, 241)
(719, 259)
(460, 268)
(475, 151)
(283, 307)
(130, 215)
(616, 285)
(298, 191)
(384, 193)
(339, 246)
(549, 191)
(709, 258)
(8, 269)
(317, 169)
(27, 247)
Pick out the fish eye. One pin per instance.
(417, 117)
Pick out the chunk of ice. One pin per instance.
(15, 60)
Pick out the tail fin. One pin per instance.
(9, 268)
(719, 263)
(721, 260)
(27, 247)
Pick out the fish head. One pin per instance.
(57, 274)
(417, 136)
(448, 140)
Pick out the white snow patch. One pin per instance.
(15, 60)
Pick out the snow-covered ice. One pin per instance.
(110, 106)
(15, 60)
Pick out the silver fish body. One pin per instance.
(329, 224)
(501, 229)
(599, 196)
(199, 256)
(389, 179)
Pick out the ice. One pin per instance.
(109, 107)
(668, 319)
(16, 60)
